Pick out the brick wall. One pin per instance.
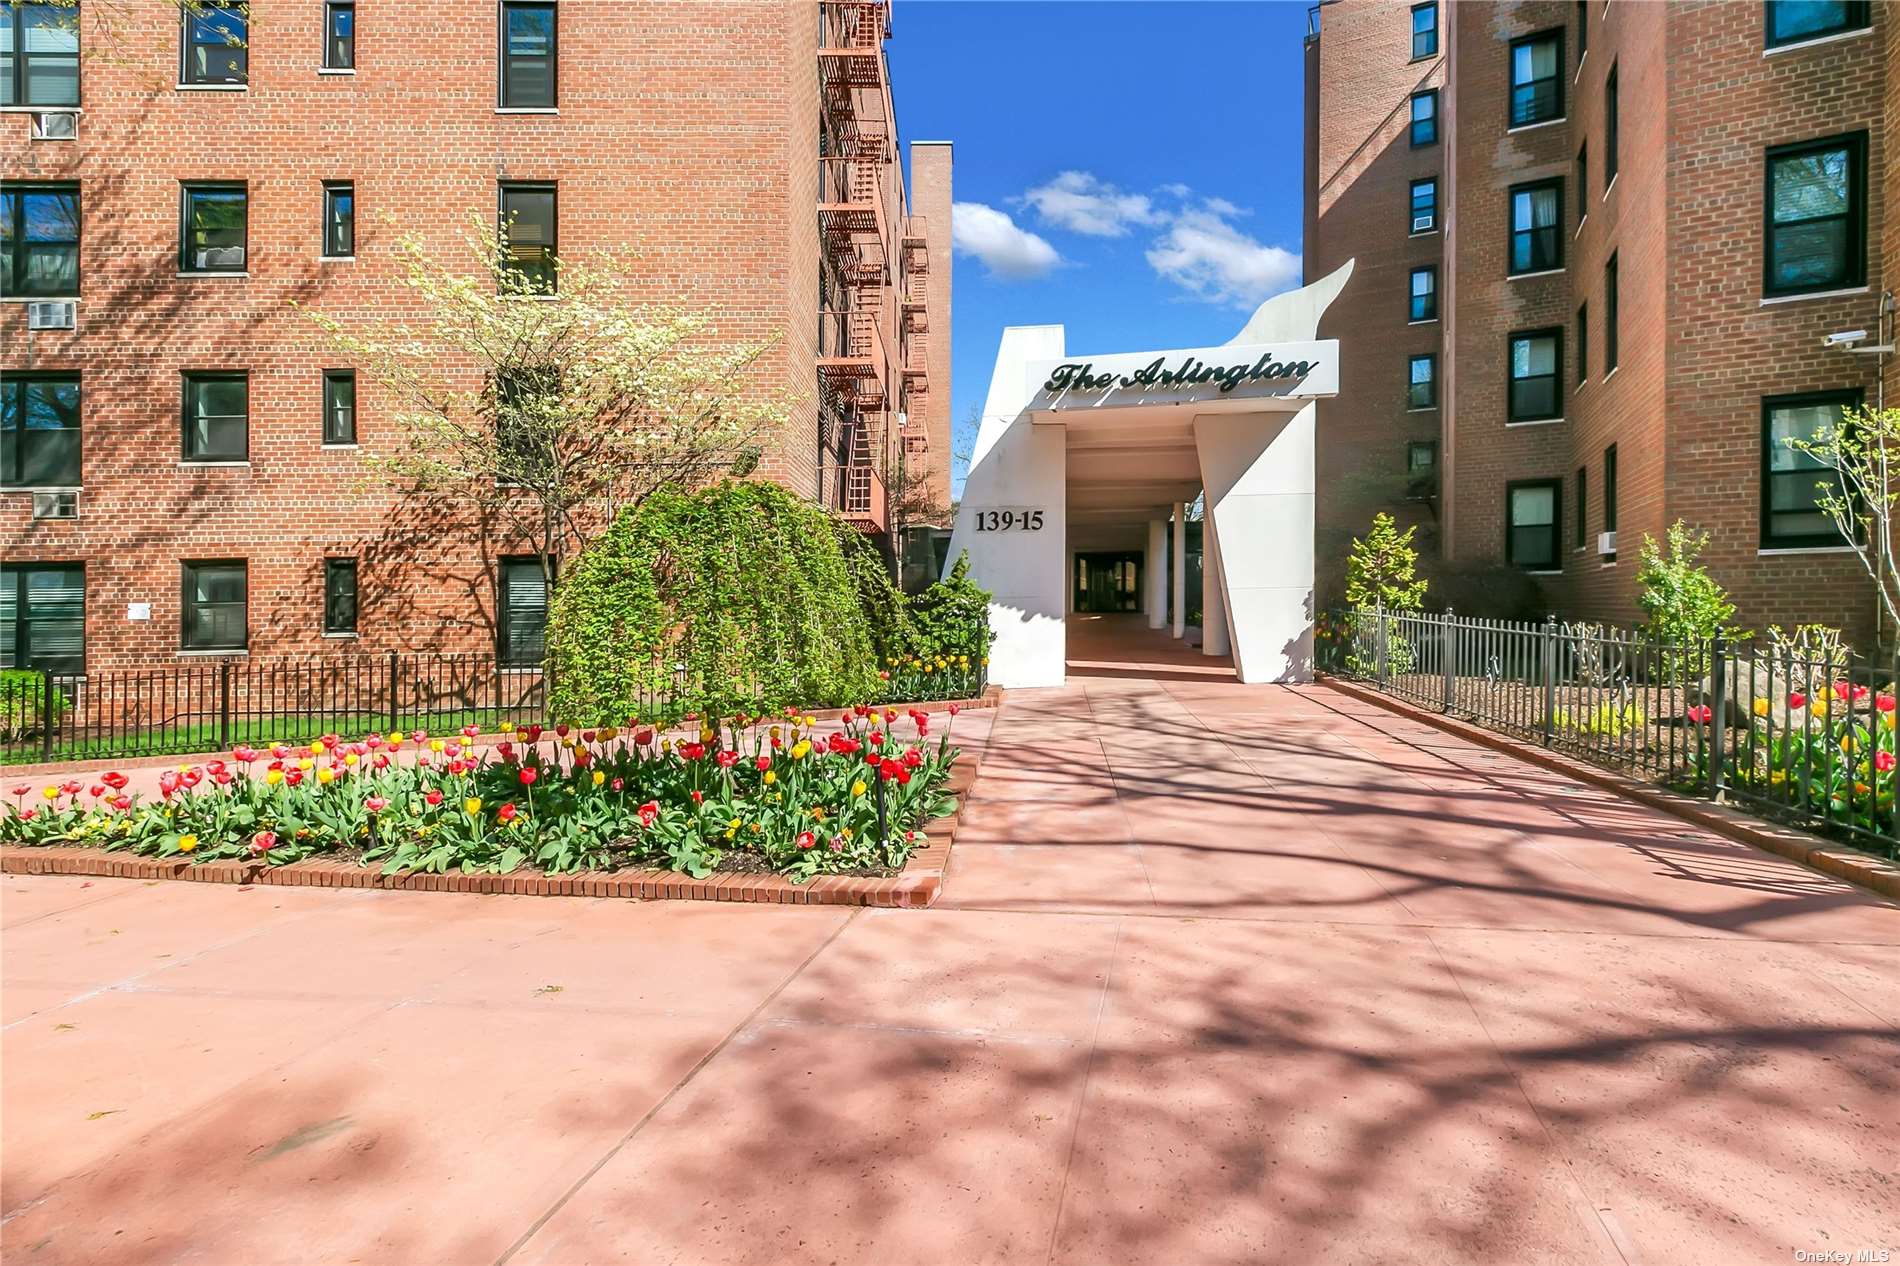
(930, 164)
(686, 136)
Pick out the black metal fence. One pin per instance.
(1799, 731)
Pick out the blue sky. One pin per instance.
(1131, 171)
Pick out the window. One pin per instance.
(339, 219)
(1816, 212)
(1424, 301)
(1421, 390)
(1537, 358)
(523, 612)
(1583, 183)
(528, 232)
(1424, 29)
(1424, 205)
(339, 36)
(1792, 482)
(1609, 489)
(339, 406)
(217, 38)
(213, 605)
(1796, 21)
(1424, 118)
(39, 55)
(528, 58)
(214, 231)
(1537, 222)
(1421, 458)
(43, 617)
(39, 240)
(1583, 29)
(39, 431)
(1609, 316)
(1583, 343)
(1610, 128)
(339, 595)
(217, 417)
(1580, 535)
(1537, 82)
(1532, 512)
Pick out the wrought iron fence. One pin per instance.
(214, 705)
(1799, 732)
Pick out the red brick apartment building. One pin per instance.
(1600, 247)
(183, 469)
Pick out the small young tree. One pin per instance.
(1860, 488)
(1683, 602)
(535, 391)
(1381, 569)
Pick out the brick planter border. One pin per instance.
(1855, 867)
(919, 884)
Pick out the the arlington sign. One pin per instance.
(1188, 371)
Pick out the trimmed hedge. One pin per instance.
(736, 598)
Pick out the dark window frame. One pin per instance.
(12, 474)
(1411, 206)
(1556, 334)
(1412, 119)
(1859, 17)
(1554, 35)
(1556, 559)
(1612, 126)
(1612, 301)
(1414, 313)
(1554, 233)
(340, 609)
(208, 12)
(331, 10)
(1412, 468)
(1583, 343)
(1582, 173)
(12, 284)
(1431, 7)
(547, 272)
(186, 189)
(503, 99)
(190, 611)
(1583, 30)
(510, 655)
(16, 574)
(332, 238)
(199, 377)
(19, 81)
(1431, 383)
(333, 435)
(1848, 397)
(1855, 218)
(1609, 488)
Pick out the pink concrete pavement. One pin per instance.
(1221, 975)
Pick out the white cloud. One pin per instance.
(1006, 249)
(1177, 189)
(1077, 201)
(1207, 256)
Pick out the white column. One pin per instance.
(1156, 564)
(1213, 602)
(1180, 571)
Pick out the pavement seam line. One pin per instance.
(1128, 825)
(692, 1073)
(1082, 1094)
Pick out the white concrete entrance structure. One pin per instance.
(1101, 452)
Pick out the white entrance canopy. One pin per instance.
(1080, 451)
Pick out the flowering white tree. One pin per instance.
(1861, 490)
(533, 389)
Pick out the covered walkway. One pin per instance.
(1124, 646)
(1221, 975)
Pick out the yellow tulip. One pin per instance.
(273, 777)
(734, 824)
(471, 806)
(857, 788)
(846, 832)
(304, 763)
(51, 793)
(316, 749)
(435, 745)
(771, 776)
(599, 778)
(187, 842)
(395, 736)
(326, 775)
(801, 749)
(705, 734)
(350, 758)
(1761, 707)
(810, 720)
(609, 734)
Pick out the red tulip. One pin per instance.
(167, 784)
(763, 763)
(121, 803)
(806, 839)
(699, 797)
(648, 811)
(380, 760)
(291, 777)
(643, 736)
(433, 797)
(72, 786)
(193, 776)
(1884, 702)
(954, 709)
(27, 815)
(618, 784)
(727, 759)
(1883, 761)
(528, 774)
(506, 813)
(1797, 700)
(263, 842)
(21, 791)
(1701, 714)
(376, 804)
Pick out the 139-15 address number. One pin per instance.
(1009, 520)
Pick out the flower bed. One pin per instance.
(775, 792)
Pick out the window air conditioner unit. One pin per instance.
(1421, 223)
(55, 505)
(221, 257)
(56, 125)
(51, 314)
(1606, 543)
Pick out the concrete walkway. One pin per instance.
(1221, 975)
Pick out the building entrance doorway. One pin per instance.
(1108, 582)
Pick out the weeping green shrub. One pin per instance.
(735, 598)
(886, 607)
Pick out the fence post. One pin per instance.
(395, 666)
(1718, 714)
(224, 703)
(1379, 646)
(46, 714)
(1448, 655)
(1550, 679)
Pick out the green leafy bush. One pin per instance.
(948, 626)
(1684, 605)
(1382, 569)
(25, 709)
(886, 608)
(732, 599)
